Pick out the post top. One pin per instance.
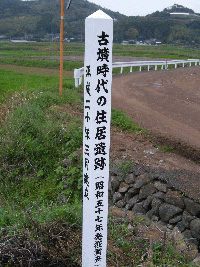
(99, 14)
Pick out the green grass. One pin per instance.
(162, 51)
(123, 122)
(41, 63)
(40, 49)
(77, 49)
(36, 137)
(12, 82)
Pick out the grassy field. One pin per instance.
(41, 172)
(39, 54)
(39, 49)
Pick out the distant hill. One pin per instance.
(175, 9)
(40, 20)
(176, 24)
(42, 17)
(178, 9)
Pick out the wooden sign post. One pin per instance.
(96, 137)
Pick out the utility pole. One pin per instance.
(61, 42)
(61, 45)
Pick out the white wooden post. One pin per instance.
(148, 67)
(121, 70)
(140, 68)
(96, 137)
(156, 67)
(131, 69)
(76, 77)
(80, 81)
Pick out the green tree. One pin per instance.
(132, 33)
(180, 33)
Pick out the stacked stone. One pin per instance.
(145, 192)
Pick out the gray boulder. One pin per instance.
(175, 198)
(117, 196)
(129, 178)
(123, 187)
(147, 202)
(168, 211)
(131, 202)
(146, 191)
(121, 203)
(160, 186)
(159, 195)
(192, 207)
(138, 208)
(128, 196)
(187, 218)
(175, 219)
(134, 190)
(195, 228)
(142, 180)
(114, 183)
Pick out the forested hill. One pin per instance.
(41, 18)
(176, 24)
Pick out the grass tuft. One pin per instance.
(121, 120)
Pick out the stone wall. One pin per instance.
(153, 192)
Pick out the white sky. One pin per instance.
(144, 7)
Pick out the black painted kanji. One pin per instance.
(104, 69)
(99, 185)
(101, 116)
(101, 133)
(100, 149)
(88, 88)
(101, 101)
(99, 194)
(99, 163)
(103, 54)
(88, 71)
(103, 39)
(102, 85)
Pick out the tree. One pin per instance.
(132, 33)
(180, 33)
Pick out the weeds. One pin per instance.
(123, 122)
(125, 167)
(164, 148)
(34, 139)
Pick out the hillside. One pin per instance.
(40, 20)
(42, 17)
(175, 24)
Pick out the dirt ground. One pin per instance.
(166, 103)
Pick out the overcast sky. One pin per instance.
(144, 7)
